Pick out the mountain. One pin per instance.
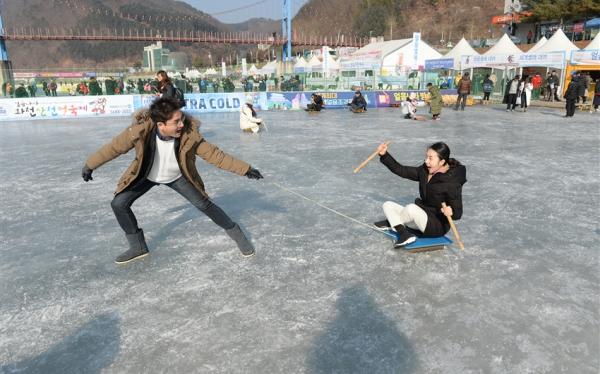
(81, 15)
(436, 19)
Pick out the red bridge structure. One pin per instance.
(175, 36)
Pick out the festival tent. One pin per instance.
(314, 64)
(461, 48)
(538, 45)
(269, 68)
(210, 71)
(584, 60)
(329, 64)
(391, 56)
(300, 66)
(253, 70)
(504, 46)
(558, 43)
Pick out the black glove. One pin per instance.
(252, 173)
(86, 173)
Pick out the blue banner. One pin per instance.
(299, 100)
(440, 63)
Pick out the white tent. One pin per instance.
(558, 43)
(314, 64)
(504, 46)
(330, 63)
(210, 71)
(269, 68)
(393, 57)
(253, 70)
(300, 66)
(538, 45)
(594, 44)
(462, 48)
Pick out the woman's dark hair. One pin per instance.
(162, 109)
(166, 80)
(252, 109)
(443, 152)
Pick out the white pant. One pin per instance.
(411, 215)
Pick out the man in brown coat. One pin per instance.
(463, 90)
(166, 145)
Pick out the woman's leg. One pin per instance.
(411, 215)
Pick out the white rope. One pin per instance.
(325, 207)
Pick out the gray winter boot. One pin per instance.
(137, 248)
(242, 242)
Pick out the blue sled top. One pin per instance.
(421, 242)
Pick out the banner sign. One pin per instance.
(585, 57)
(394, 98)
(440, 63)
(60, 107)
(556, 60)
(299, 100)
(416, 46)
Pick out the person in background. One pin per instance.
(488, 87)
(316, 103)
(249, 121)
(166, 88)
(358, 103)
(571, 95)
(525, 88)
(596, 102)
(463, 90)
(510, 93)
(435, 101)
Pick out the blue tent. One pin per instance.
(594, 22)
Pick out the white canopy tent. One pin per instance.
(253, 70)
(558, 43)
(505, 46)
(314, 64)
(300, 66)
(538, 45)
(460, 49)
(269, 68)
(210, 71)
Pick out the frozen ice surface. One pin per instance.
(323, 294)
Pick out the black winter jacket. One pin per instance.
(572, 90)
(443, 187)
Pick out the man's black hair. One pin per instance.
(162, 109)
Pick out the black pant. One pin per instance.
(570, 107)
(121, 204)
(486, 96)
(512, 101)
(462, 100)
(523, 100)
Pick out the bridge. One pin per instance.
(175, 36)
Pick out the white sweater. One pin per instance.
(165, 168)
(247, 121)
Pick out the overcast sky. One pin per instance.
(251, 8)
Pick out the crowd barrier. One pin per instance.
(123, 105)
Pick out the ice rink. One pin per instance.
(323, 294)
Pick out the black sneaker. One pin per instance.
(382, 225)
(404, 237)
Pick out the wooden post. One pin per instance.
(454, 231)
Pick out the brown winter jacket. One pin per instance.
(191, 144)
(464, 86)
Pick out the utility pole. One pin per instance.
(6, 72)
